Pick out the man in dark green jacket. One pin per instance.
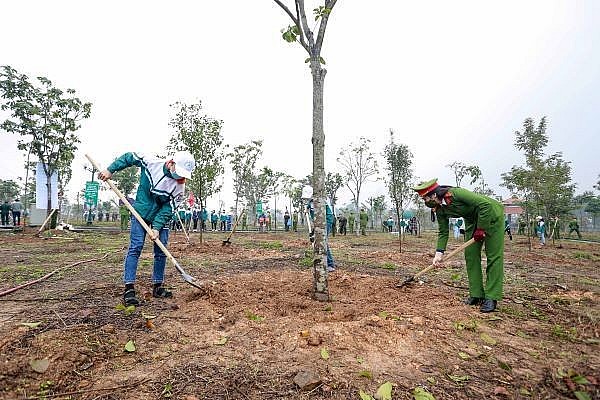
(162, 182)
(5, 209)
(484, 221)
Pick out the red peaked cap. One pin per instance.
(426, 187)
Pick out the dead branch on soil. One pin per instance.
(14, 289)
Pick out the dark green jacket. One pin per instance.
(5, 208)
(477, 210)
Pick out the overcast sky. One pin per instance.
(453, 79)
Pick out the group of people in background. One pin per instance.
(11, 209)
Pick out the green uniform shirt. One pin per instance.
(477, 210)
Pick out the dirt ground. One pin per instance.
(256, 327)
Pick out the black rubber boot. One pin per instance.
(159, 291)
(473, 301)
(129, 298)
(488, 305)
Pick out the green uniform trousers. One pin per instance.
(494, 251)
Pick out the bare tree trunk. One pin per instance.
(320, 284)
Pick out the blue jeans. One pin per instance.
(16, 218)
(136, 244)
(330, 263)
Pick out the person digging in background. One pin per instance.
(161, 183)
(484, 221)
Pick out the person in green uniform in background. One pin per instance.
(295, 221)
(351, 222)
(244, 221)
(124, 215)
(522, 225)
(484, 221)
(574, 226)
(364, 218)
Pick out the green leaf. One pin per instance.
(324, 354)
(322, 60)
(580, 379)
(307, 60)
(421, 394)
(463, 355)
(582, 395)
(488, 339)
(364, 396)
(31, 324)
(130, 347)
(120, 307)
(129, 310)
(39, 366)
(431, 380)
(221, 341)
(328, 308)
(295, 30)
(384, 392)
(366, 374)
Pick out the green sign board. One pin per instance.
(91, 192)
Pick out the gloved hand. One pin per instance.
(438, 259)
(479, 235)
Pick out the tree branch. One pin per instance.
(328, 4)
(296, 20)
(306, 28)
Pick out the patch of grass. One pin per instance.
(561, 332)
(467, 325)
(270, 245)
(583, 255)
(388, 266)
(512, 311)
(588, 281)
(254, 317)
(306, 262)
(536, 313)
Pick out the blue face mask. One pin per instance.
(175, 176)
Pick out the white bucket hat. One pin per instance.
(184, 164)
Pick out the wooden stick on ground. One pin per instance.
(45, 222)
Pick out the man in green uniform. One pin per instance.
(574, 226)
(522, 225)
(364, 218)
(351, 222)
(244, 221)
(295, 221)
(124, 215)
(484, 221)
